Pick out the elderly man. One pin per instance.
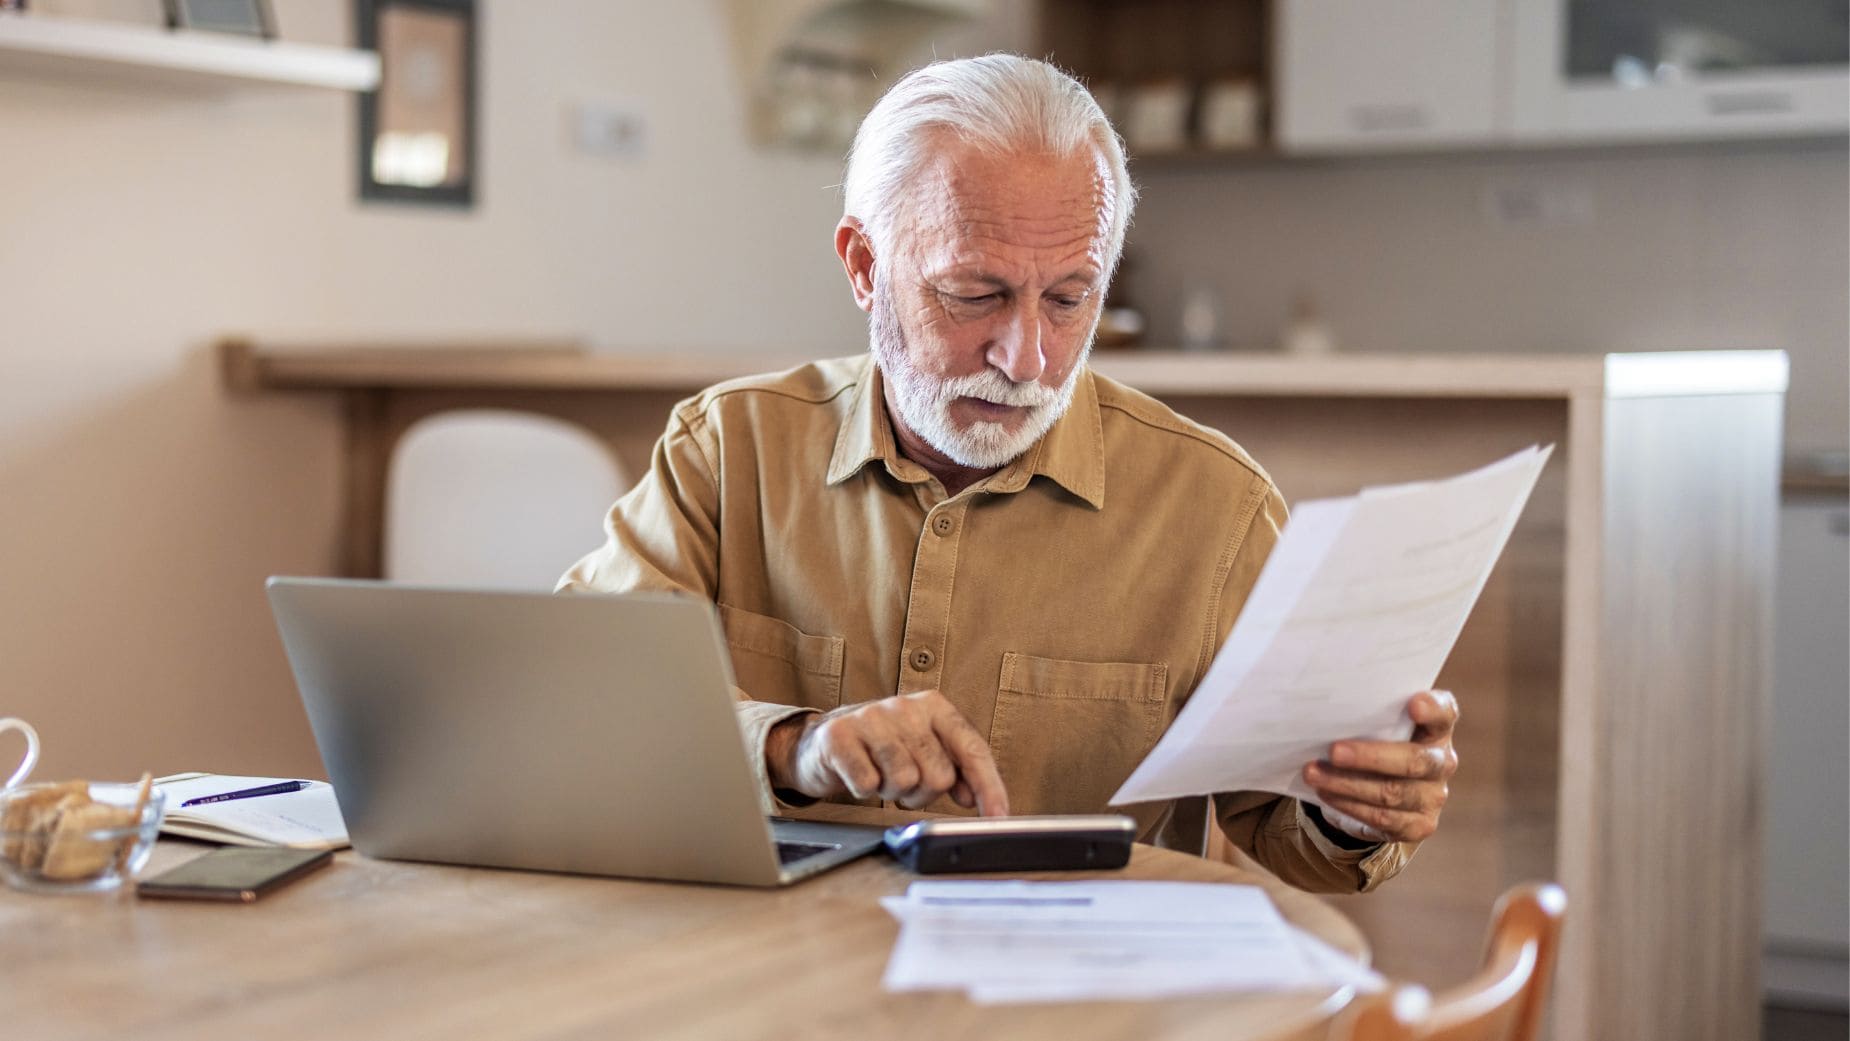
(966, 571)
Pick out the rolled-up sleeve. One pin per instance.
(1280, 836)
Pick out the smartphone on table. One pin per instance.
(236, 873)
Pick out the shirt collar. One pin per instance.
(1071, 454)
(865, 434)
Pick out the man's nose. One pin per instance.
(1016, 350)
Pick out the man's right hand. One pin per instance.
(909, 749)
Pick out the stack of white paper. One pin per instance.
(1355, 612)
(1104, 941)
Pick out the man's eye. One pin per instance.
(1066, 302)
(971, 306)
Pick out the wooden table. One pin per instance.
(381, 949)
(1613, 676)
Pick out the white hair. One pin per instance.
(1001, 103)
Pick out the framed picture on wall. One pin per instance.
(418, 130)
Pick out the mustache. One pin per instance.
(992, 386)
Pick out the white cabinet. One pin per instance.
(1411, 74)
(1592, 70)
(1408, 74)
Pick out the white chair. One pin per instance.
(495, 499)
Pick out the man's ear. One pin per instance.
(857, 259)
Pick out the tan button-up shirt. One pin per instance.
(1067, 604)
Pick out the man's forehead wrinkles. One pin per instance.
(1044, 250)
(1026, 223)
(1035, 220)
(1036, 229)
(978, 252)
(1037, 207)
(983, 261)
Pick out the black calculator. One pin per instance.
(953, 845)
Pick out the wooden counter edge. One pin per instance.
(249, 367)
(570, 366)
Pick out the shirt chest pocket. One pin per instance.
(1067, 733)
(775, 661)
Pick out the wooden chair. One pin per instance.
(1503, 1002)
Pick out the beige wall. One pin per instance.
(1711, 246)
(141, 507)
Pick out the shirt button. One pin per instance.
(943, 524)
(922, 659)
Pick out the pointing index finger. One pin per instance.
(975, 766)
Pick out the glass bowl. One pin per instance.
(82, 849)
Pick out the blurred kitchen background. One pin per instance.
(1432, 176)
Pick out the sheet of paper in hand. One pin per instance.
(1355, 611)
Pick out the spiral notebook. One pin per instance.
(308, 819)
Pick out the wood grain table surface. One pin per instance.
(382, 949)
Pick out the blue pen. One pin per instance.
(249, 793)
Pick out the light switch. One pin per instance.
(1538, 203)
(609, 129)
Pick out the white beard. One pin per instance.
(924, 400)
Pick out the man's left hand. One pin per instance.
(1392, 791)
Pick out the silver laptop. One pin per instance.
(586, 734)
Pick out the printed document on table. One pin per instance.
(1116, 940)
(1355, 611)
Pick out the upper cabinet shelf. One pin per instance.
(1181, 79)
(1333, 77)
(100, 51)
